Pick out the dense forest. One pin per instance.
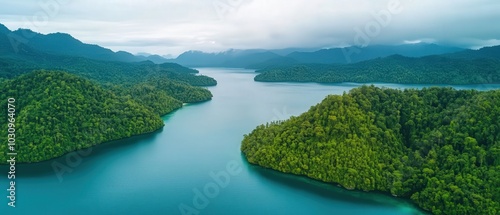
(393, 69)
(162, 94)
(63, 52)
(56, 113)
(102, 71)
(102, 99)
(164, 87)
(439, 147)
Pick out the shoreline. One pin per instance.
(109, 142)
(98, 144)
(374, 83)
(335, 184)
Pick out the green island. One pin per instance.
(439, 147)
(73, 95)
(59, 112)
(435, 69)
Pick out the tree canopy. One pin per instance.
(439, 147)
(393, 69)
(57, 113)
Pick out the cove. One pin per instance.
(159, 173)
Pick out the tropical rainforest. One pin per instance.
(57, 113)
(439, 147)
(77, 95)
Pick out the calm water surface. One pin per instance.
(174, 168)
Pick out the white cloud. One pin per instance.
(174, 26)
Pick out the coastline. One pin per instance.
(374, 83)
(158, 130)
(335, 184)
(98, 144)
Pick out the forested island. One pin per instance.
(58, 112)
(74, 97)
(468, 67)
(439, 147)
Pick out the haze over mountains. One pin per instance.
(29, 42)
(456, 68)
(256, 59)
(26, 40)
(23, 51)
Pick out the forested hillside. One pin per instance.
(60, 51)
(160, 101)
(438, 146)
(56, 113)
(101, 71)
(101, 100)
(173, 84)
(66, 45)
(126, 79)
(162, 94)
(393, 69)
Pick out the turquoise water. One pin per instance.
(194, 163)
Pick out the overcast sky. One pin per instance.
(174, 26)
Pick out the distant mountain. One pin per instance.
(143, 54)
(199, 59)
(250, 59)
(18, 57)
(3, 29)
(10, 45)
(275, 62)
(72, 95)
(260, 58)
(357, 54)
(153, 58)
(486, 52)
(230, 58)
(64, 44)
(287, 51)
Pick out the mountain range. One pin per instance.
(258, 58)
(23, 51)
(71, 95)
(29, 42)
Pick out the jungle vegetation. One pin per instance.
(439, 147)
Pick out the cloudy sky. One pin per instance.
(174, 26)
